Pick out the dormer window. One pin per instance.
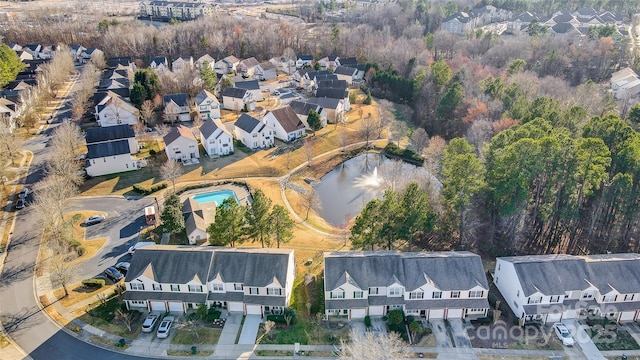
(419, 294)
(436, 295)
(337, 294)
(217, 287)
(137, 286)
(238, 287)
(274, 291)
(195, 288)
(157, 287)
(395, 291)
(475, 293)
(358, 294)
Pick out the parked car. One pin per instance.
(165, 327)
(149, 323)
(24, 193)
(563, 334)
(95, 219)
(132, 249)
(20, 203)
(113, 274)
(123, 267)
(276, 93)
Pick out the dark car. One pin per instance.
(113, 274)
(24, 193)
(20, 203)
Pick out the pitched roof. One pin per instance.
(247, 123)
(268, 65)
(210, 126)
(180, 99)
(333, 83)
(176, 132)
(348, 61)
(288, 119)
(333, 93)
(250, 62)
(255, 267)
(194, 222)
(345, 70)
(327, 103)
(190, 205)
(234, 92)
(445, 270)
(158, 60)
(115, 61)
(110, 148)
(303, 108)
(556, 274)
(173, 267)
(231, 59)
(109, 133)
(305, 57)
(312, 74)
(249, 85)
(204, 94)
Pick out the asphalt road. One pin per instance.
(19, 310)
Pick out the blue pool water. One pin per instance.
(217, 196)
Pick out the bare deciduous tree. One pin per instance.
(162, 130)
(125, 318)
(268, 326)
(51, 197)
(369, 346)
(307, 147)
(191, 326)
(197, 122)
(419, 140)
(147, 110)
(368, 128)
(433, 155)
(9, 145)
(170, 171)
(310, 200)
(62, 271)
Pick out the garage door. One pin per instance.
(176, 306)
(436, 313)
(553, 318)
(235, 307)
(376, 310)
(454, 313)
(570, 314)
(254, 310)
(158, 306)
(358, 313)
(628, 316)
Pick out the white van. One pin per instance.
(138, 246)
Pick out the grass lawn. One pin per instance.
(3, 341)
(206, 336)
(171, 352)
(92, 246)
(537, 344)
(273, 353)
(78, 292)
(618, 339)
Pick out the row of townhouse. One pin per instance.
(179, 10)
(551, 288)
(429, 285)
(441, 285)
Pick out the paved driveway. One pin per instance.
(459, 332)
(250, 330)
(440, 333)
(589, 349)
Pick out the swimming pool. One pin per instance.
(216, 196)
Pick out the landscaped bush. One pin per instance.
(152, 152)
(393, 150)
(482, 321)
(146, 191)
(212, 315)
(367, 321)
(107, 310)
(98, 283)
(280, 319)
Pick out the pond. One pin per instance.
(345, 190)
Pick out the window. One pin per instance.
(238, 287)
(629, 297)
(554, 299)
(358, 294)
(536, 300)
(337, 294)
(373, 291)
(455, 294)
(587, 295)
(195, 288)
(274, 291)
(217, 287)
(175, 287)
(137, 286)
(394, 291)
(518, 293)
(157, 287)
(253, 291)
(416, 295)
(436, 295)
(475, 293)
(137, 302)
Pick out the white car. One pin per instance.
(165, 327)
(563, 334)
(149, 323)
(132, 249)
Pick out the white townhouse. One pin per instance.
(208, 105)
(551, 288)
(304, 61)
(227, 65)
(284, 65)
(251, 86)
(249, 67)
(334, 108)
(302, 109)
(180, 144)
(110, 149)
(238, 99)
(90, 54)
(177, 278)
(112, 109)
(266, 71)
(159, 63)
(183, 63)
(215, 138)
(347, 74)
(286, 123)
(205, 59)
(431, 285)
(253, 133)
(176, 107)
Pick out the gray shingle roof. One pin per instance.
(190, 297)
(251, 268)
(333, 93)
(556, 274)
(234, 92)
(333, 83)
(249, 85)
(327, 103)
(303, 108)
(209, 127)
(288, 119)
(446, 303)
(180, 99)
(444, 270)
(348, 61)
(250, 62)
(171, 267)
(203, 95)
(344, 70)
(247, 123)
(193, 221)
(265, 300)
(109, 133)
(104, 149)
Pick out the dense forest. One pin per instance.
(552, 161)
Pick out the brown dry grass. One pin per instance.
(53, 312)
(78, 293)
(92, 246)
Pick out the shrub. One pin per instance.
(393, 150)
(482, 321)
(80, 250)
(278, 319)
(98, 283)
(146, 191)
(396, 317)
(152, 152)
(367, 321)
